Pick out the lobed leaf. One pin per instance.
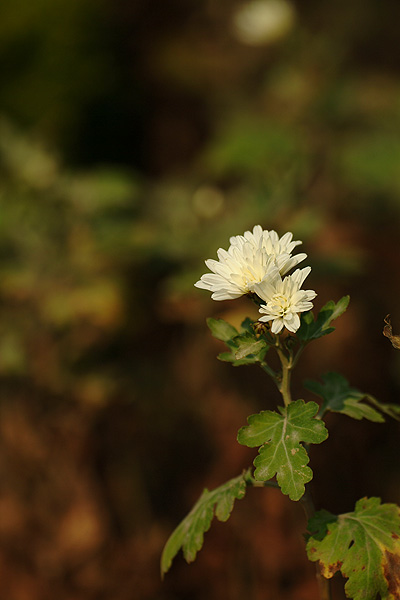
(249, 346)
(311, 329)
(364, 545)
(247, 325)
(189, 535)
(221, 330)
(318, 524)
(281, 452)
(245, 346)
(338, 396)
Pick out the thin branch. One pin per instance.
(270, 371)
(324, 584)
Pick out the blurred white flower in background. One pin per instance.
(208, 201)
(261, 22)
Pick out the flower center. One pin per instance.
(279, 305)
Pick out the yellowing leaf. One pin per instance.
(364, 545)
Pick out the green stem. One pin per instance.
(284, 384)
(256, 483)
(297, 355)
(308, 505)
(324, 585)
(306, 501)
(268, 370)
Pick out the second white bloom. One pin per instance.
(284, 299)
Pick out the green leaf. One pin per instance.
(189, 535)
(311, 329)
(364, 545)
(247, 325)
(339, 397)
(245, 347)
(392, 410)
(318, 524)
(248, 346)
(221, 330)
(281, 451)
(229, 357)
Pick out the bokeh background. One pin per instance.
(135, 137)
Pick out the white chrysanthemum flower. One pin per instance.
(251, 258)
(284, 300)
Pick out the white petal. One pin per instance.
(265, 318)
(257, 233)
(277, 325)
(225, 295)
(300, 274)
(293, 323)
(292, 261)
(273, 236)
(286, 239)
(222, 254)
(264, 290)
(310, 294)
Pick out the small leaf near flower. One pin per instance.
(364, 545)
(249, 346)
(221, 330)
(246, 347)
(311, 329)
(281, 452)
(189, 535)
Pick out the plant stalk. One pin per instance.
(284, 384)
(306, 501)
(324, 585)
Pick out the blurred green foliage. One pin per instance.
(54, 60)
(64, 239)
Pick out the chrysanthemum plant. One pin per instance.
(363, 544)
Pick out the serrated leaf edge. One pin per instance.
(212, 505)
(329, 568)
(306, 475)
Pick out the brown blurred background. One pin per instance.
(135, 137)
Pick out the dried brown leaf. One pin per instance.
(387, 331)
